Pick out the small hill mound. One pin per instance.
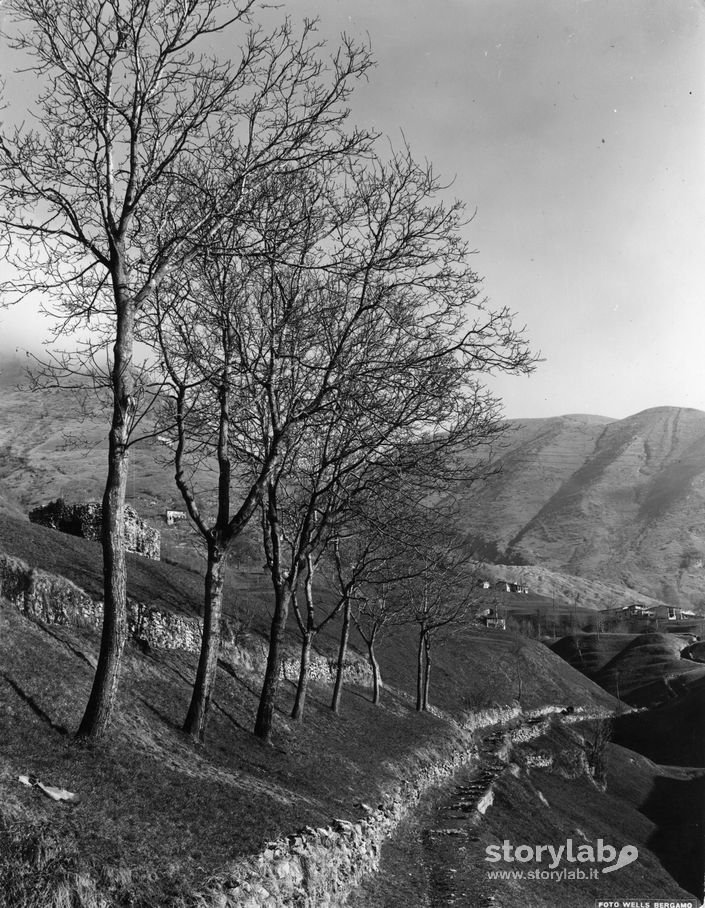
(590, 653)
(642, 670)
(673, 799)
(650, 670)
(696, 652)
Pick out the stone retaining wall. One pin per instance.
(318, 868)
(55, 600)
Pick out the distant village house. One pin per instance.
(507, 586)
(659, 612)
(491, 619)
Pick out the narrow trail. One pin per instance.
(435, 857)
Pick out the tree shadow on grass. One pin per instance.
(34, 706)
(167, 720)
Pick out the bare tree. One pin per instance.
(137, 120)
(400, 352)
(351, 453)
(398, 541)
(346, 583)
(227, 341)
(438, 599)
(372, 556)
(330, 463)
(353, 558)
(349, 342)
(231, 344)
(339, 462)
(377, 609)
(124, 103)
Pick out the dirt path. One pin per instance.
(435, 857)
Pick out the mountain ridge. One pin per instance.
(618, 500)
(615, 501)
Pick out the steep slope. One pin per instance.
(50, 447)
(620, 501)
(158, 819)
(672, 734)
(565, 591)
(537, 457)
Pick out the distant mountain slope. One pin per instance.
(560, 587)
(615, 502)
(537, 457)
(622, 501)
(49, 449)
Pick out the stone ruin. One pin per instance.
(86, 520)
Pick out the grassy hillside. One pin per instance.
(156, 816)
(553, 804)
(248, 597)
(50, 447)
(590, 653)
(537, 457)
(596, 508)
(656, 760)
(566, 594)
(160, 583)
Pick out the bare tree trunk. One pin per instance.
(342, 652)
(204, 685)
(272, 675)
(427, 671)
(420, 672)
(101, 703)
(309, 632)
(304, 673)
(376, 677)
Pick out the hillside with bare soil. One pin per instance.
(616, 501)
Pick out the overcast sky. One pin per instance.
(576, 128)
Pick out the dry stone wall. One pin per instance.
(86, 520)
(55, 600)
(46, 597)
(318, 868)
